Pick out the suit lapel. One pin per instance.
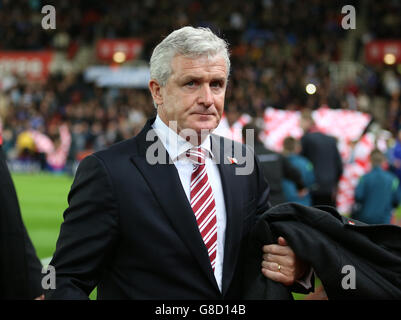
(164, 181)
(233, 203)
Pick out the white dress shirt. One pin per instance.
(176, 147)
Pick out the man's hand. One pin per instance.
(280, 263)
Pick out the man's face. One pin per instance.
(194, 93)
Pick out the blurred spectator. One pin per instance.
(377, 193)
(387, 22)
(396, 156)
(292, 150)
(25, 146)
(321, 150)
(275, 167)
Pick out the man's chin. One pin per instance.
(198, 129)
(205, 127)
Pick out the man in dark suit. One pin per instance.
(165, 215)
(20, 268)
(322, 151)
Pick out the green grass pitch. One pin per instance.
(43, 199)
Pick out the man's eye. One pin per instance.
(216, 84)
(190, 83)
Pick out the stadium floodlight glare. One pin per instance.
(389, 58)
(119, 57)
(310, 88)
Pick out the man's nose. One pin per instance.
(205, 95)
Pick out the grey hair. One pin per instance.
(189, 42)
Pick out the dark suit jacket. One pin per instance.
(130, 230)
(20, 268)
(276, 168)
(332, 244)
(322, 151)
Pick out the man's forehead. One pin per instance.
(187, 64)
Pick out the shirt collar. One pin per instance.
(176, 145)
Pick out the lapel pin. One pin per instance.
(232, 160)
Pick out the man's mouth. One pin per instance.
(203, 114)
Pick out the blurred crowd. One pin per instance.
(277, 47)
(95, 117)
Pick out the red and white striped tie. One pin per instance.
(202, 202)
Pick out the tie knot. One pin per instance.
(197, 155)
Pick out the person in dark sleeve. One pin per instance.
(322, 151)
(292, 150)
(20, 268)
(377, 193)
(275, 167)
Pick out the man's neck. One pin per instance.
(175, 143)
(193, 137)
(195, 140)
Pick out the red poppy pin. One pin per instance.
(232, 160)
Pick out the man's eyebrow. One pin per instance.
(222, 79)
(191, 77)
(195, 77)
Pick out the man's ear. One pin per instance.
(155, 90)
